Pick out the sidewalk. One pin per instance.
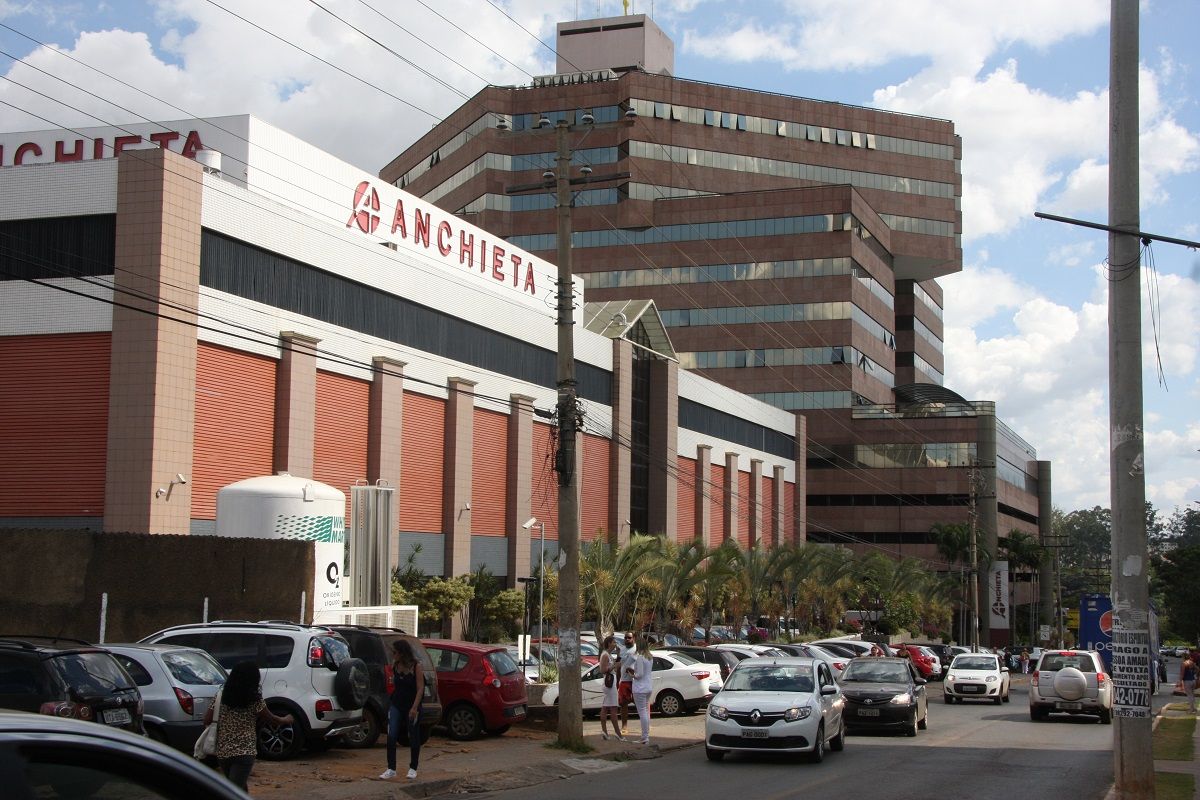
(517, 759)
(1176, 708)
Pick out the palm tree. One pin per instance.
(713, 578)
(608, 573)
(1025, 554)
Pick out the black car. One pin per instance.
(43, 756)
(374, 647)
(884, 693)
(68, 678)
(944, 652)
(723, 659)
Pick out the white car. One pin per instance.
(743, 651)
(776, 705)
(679, 684)
(976, 676)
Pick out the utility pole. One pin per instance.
(570, 418)
(1132, 753)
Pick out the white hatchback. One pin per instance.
(680, 684)
(776, 705)
(976, 676)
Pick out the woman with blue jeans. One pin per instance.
(408, 688)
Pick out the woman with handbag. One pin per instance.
(408, 690)
(608, 703)
(237, 719)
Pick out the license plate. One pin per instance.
(868, 712)
(754, 733)
(115, 716)
(516, 711)
(965, 689)
(1069, 706)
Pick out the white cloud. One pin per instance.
(1071, 255)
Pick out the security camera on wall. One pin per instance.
(179, 478)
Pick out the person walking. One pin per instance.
(625, 658)
(1187, 674)
(408, 689)
(1024, 662)
(609, 666)
(242, 711)
(642, 672)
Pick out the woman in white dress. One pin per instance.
(642, 684)
(608, 703)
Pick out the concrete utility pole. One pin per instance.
(1132, 753)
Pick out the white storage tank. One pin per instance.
(287, 507)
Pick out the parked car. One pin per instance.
(374, 647)
(855, 647)
(939, 671)
(976, 676)
(68, 678)
(57, 757)
(944, 653)
(177, 684)
(743, 651)
(776, 705)
(723, 660)
(307, 671)
(481, 687)
(679, 684)
(885, 693)
(589, 653)
(1071, 682)
(926, 663)
(835, 662)
(529, 666)
(837, 648)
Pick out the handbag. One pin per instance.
(609, 680)
(206, 742)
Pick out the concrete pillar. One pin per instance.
(755, 508)
(778, 510)
(620, 446)
(664, 437)
(729, 513)
(296, 404)
(800, 496)
(519, 485)
(456, 483)
(703, 495)
(985, 504)
(384, 435)
(1046, 596)
(152, 368)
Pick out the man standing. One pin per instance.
(625, 667)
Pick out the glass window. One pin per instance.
(194, 668)
(502, 662)
(230, 648)
(278, 651)
(710, 117)
(90, 674)
(447, 660)
(856, 139)
(18, 676)
(136, 671)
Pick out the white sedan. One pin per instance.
(978, 676)
(776, 705)
(679, 684)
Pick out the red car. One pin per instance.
(480, 685)
(921, 661)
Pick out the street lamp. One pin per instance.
(570, 418)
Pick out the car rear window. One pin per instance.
(90, 674)
(683, 658)
(136, 671)
(1053, 662)
(502, 662)
(194, 669)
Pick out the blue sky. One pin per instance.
(1025, 83)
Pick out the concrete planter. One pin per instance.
(534, 691)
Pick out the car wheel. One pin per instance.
(714, 755)
(156, 733)
(911, 730)
(366, 733)
(281, 742)
(997, 700)
(352, 684)
(670, 703)
(1106, 716)
(464, 722)
(1006, 697)
(924, 723)
(949, 700)
(838, 743)
(818, 751)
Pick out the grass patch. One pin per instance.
(1173, 739)
(581, 749)
(1174, 786)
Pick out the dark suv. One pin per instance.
(374, 647)
(723, 659)
(67, 678)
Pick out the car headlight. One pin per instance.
(950, 677)
(718, 712)
(794, 714)
(990, 679)
(902, 699)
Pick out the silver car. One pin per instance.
(178, 685)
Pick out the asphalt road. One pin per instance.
(980, 751)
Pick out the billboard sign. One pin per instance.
(998, 595)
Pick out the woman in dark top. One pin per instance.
(408, 688)
(242, 710)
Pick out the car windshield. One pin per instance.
(874, 671)
(502, 662)
(1053, 662)
(588, 649)
(974, 662)
(194, 668)
(91, 674)
(770, 678)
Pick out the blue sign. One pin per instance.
(1095, 626)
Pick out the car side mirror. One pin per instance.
(714, 688)
(826, 690)
(920, 681)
